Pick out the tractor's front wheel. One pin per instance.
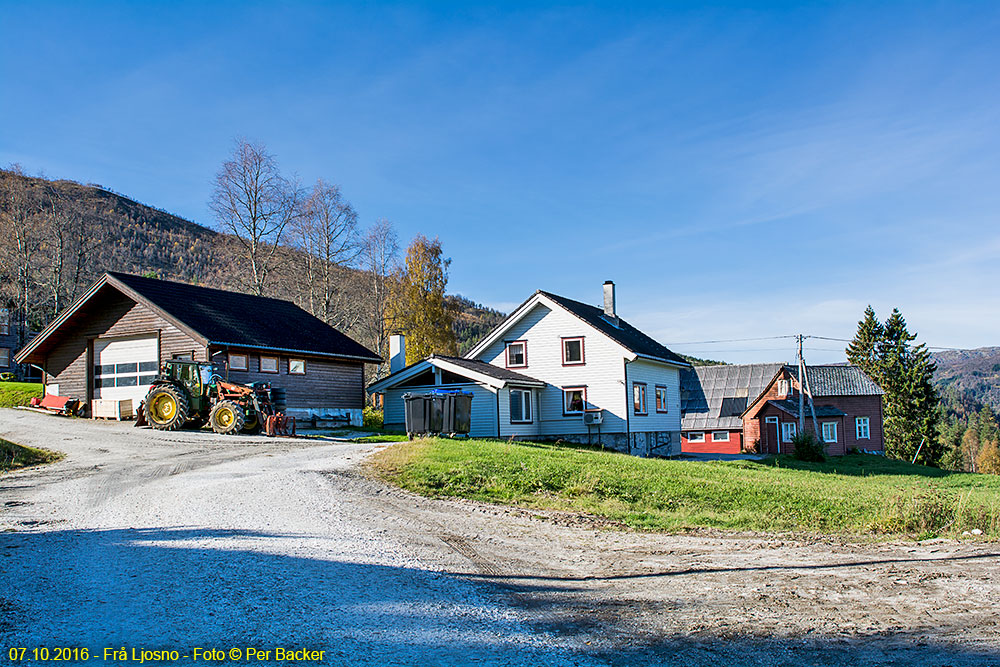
(227, 418)
(166, 408)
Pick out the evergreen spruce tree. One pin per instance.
(905, 373)
(863, 351)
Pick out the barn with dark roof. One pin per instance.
(111, 342)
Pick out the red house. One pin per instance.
(729, 409)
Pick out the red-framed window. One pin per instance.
(574, 400)
(661, 398)
(516, 354)
(639, 398)
(572, 351)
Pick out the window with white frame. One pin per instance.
(520, 406)
(517, 354)
(296, 366)
(720, 436)
(269, 364)
(238, 362)
(862, 428)
(4, 357)
(572, 351)
(829, 431)
(787, 431)
(639, 398)
(574, 400)
(696, 436)
(784, 388)
(661, 398)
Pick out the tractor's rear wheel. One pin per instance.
(227, 418)
(166, 408)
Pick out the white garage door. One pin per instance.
(125, 367)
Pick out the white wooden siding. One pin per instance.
(508, 429)
(654, 374)
(603, 373)
(484, 407)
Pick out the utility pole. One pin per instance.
(802, 415)
(804, 385)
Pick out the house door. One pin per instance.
(124, 368)
(771, 425)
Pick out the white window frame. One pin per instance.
(237, 367)
(583, 354)
(566, 392)
(829, 431)
(696, 436)
(784, 387)
(292, 362)
(788, 431)
(277, 364)
(662, 399)
(641, 407)
(720, 436)
(526, 417)
(862, 425)
(524, 353)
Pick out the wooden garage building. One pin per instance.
(110, 343)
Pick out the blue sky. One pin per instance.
(738, 170)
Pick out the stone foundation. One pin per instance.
(652, 443)
(303, 416)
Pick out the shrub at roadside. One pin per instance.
(371, 418)
(808, 448)
(13, 394)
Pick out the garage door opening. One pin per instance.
(124, 368)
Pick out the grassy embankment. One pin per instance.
(18, 393)
(855, 494)
(14, 456)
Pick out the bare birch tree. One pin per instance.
(327, 234)
(379, 256)
(254, 203)
(19, 251)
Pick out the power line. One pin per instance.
(731, 340)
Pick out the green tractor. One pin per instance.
(187, 394)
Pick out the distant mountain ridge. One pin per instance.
(972, 373)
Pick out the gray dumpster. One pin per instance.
(438, 412)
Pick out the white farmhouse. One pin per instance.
(556, 369)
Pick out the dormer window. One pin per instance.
(572, 351)
(517, 354)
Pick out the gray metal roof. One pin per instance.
(838, 381)
(705, 388)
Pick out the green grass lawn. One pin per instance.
(18, 393)
(856, 494)
(14, 456)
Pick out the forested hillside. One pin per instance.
(60, 236)
(974, 373)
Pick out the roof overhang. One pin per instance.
(434, 362)
(288, 350)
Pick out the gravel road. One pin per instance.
(179, 540)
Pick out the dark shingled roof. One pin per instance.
(792, 407)
(487, 369)
(838, 381)
(244, 320)
(624, 333)
(711, 395)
